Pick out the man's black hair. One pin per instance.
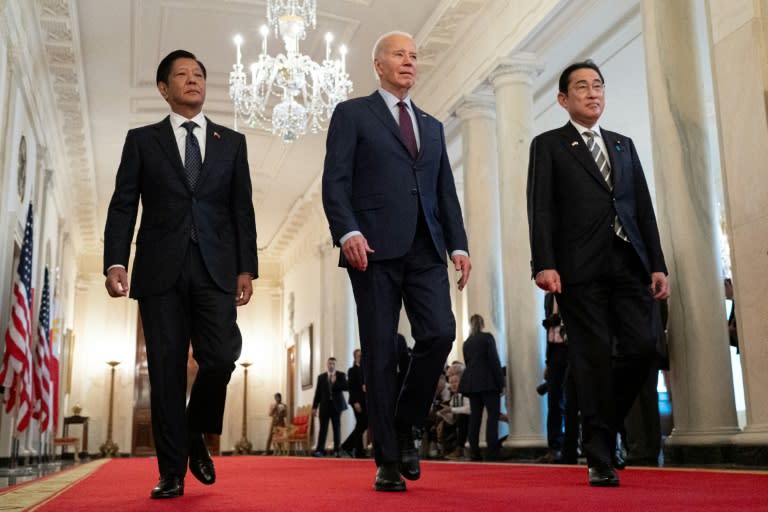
(164, 68)
(565, 77)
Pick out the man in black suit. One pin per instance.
(354, 442)
(329, 401)
(595, 242)
(391, 203)
(195, 259)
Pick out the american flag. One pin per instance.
(43, 381)
(16, 374)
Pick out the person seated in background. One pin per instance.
(452, 430)
(429, 435)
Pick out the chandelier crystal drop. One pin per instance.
(290, 92)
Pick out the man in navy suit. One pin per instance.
(195, 259)
(595, 243)
(391, 203)
(329, 402)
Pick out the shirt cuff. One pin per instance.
(348, 236)
(459, 252)
(115, 266)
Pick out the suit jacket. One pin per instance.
(483, 371)
(221, 205)
(571, 209)
(325, 394)
(356, 393)
(372, 184)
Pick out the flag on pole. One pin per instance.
(55, 344)
(43, 384)
(16, 373)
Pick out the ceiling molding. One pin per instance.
(59, 29)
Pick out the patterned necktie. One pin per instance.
(600, 160)
(605, 170)
(406, 129)
(193, 162)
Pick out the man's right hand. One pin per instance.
(549, 281)
(117, 282)
(356, 252)
(358, 408)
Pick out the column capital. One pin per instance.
(475, 105)
(521, 67)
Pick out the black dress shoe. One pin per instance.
(603, 476)
(169, 486)
(388, 478)
(409, 454)
(200, 463)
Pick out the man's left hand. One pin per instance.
(462, 264)
(659, 286)
(244, 289)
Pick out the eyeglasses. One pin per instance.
(583, 88)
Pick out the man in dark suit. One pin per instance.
(195, 259)
(391, 203)
(595, 242)
(354, 442)
(329, 401)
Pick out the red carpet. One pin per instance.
(293, 483)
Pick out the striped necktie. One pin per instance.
(193, 163)
(605, 171)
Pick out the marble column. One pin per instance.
(702, 393)
(512, 83)
(739, 30)
(484, 293)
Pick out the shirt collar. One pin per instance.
(177, 120)
(581, 128)
(392, 100)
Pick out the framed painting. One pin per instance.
(306, 347)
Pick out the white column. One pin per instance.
(739, 36)
(484, 293)
(702, 394)
(512, 83)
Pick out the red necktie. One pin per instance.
(406, 129)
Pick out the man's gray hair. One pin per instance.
(377, 46)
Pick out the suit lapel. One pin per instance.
(167, 142)
(379, 107)
(614, 146)
(421, 118)
(575, 144)
(212, 149)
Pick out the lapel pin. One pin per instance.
(574, 143)
(216, 135)
(618, 147)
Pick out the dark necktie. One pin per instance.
(605, 170)
(406, 129)
(193, 162)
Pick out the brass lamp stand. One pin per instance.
(244, 446)
(110, 448)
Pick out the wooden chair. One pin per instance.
(299, 432)
(67, 441)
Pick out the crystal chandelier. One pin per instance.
(305, 92)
